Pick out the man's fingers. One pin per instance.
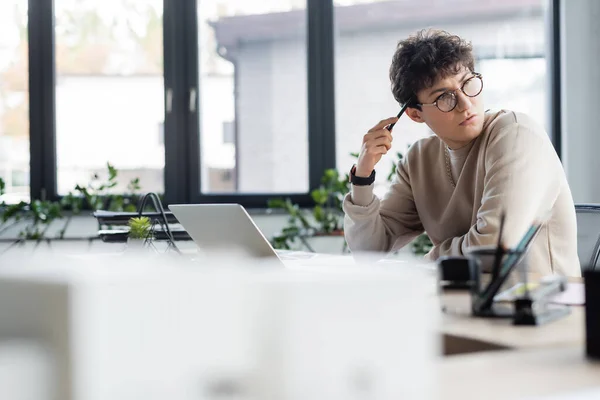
(378, 134)
(380, 150)
(383, 123)
(376, 143)
(382, 141)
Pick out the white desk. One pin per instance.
(517, 374)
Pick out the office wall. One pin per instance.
(580, 102)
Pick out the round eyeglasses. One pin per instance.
(447, 101)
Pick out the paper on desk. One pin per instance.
(573, 294)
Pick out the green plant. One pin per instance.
(41, 213)
(139, 227)
(326, 216)
(98, 197)
(421, 245)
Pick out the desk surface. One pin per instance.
(458, 322)
(517, 374)
(567, 331)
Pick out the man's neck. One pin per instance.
(456, 145)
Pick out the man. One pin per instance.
(455, 185)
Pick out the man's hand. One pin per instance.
(376, 143)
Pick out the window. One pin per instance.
(517, 84)
(109, 91)
(509, 40)
(14, 101)
(253, 72)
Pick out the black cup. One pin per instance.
(592, 313)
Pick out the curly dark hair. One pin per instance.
(423, 58)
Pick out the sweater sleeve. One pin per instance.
(520, 178)
(383, 225)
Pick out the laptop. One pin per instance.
(223, 230)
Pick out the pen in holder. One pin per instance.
(488, 279)
(486, 270)
(482, 300)
(532, 307)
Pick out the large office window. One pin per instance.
(14, 101)
(509, 40)
(109, 91)
(253, 96)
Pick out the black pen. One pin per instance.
(404, 107)
(486, 298)
(499, 250)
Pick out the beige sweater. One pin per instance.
(511, 164)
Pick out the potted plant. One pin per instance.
(139, 232)
(37, 216)
(98, 195)
(325, 218)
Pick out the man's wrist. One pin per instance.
(361, 173)
(357, 179)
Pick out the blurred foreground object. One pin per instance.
(167, 328)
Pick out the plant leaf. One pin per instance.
(112, 172)
(319, 213)
(276, 203)
(319, 195)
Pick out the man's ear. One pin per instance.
(414, 114)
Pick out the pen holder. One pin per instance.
(487, 255)
(488, 280)
(475, 274)
(456, 274)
